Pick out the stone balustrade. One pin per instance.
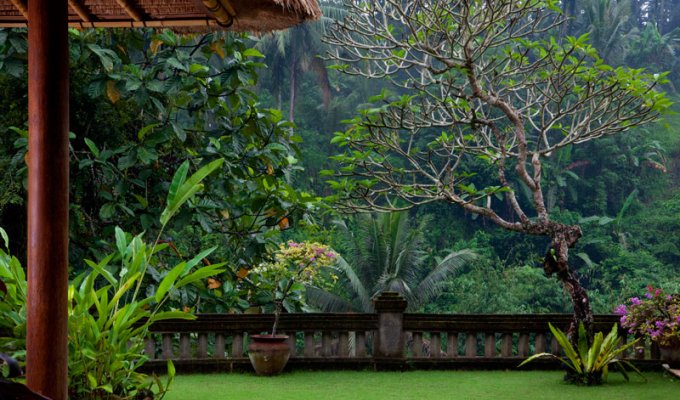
(386, 339)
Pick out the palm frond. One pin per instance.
(327, 302)
(356, 284)
(431, 286)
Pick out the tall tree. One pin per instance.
(481, 81)
(608, 27)
(296, 51)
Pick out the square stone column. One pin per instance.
(388, 348)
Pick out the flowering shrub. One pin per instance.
(294, 266)
(657, 315)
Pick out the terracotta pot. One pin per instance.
(670, 355)
(268, 354)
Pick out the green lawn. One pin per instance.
(420, 385)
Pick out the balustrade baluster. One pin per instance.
(523, 345)
(202, 345)
(435, 345)
(470, 344)
(310, 350)
(360, 344)
(640, 348)
(326, 344)
(541, 343)
(150, 347)
(292, 343)
(555, 347)
(237, 346)
(167, 346)
(417, 344)
(184, 346)
(343, 347)
(219, 346)
(452, 344)
(490, 345)
(506, 345)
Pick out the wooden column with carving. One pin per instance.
(48, 110)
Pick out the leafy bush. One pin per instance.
(109, 313)
(109, 319)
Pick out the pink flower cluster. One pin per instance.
(656, 316)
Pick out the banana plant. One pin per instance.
(589, 365)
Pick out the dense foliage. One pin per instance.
(111, 306)
(174, 98)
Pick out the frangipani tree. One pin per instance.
(485, 93)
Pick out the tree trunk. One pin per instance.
(570, 13)
(557, 262)
(293, 88)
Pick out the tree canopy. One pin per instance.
(482, 89)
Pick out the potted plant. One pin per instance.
(656, 316)
(283, 281)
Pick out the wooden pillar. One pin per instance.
(48, 85)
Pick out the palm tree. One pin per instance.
(297, 50)
(609, 28)
(384, 253)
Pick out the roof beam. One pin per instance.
(130, 9)
(21, 6)
(80, 10)
(223, 11)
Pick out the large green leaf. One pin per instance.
(181, 191)
(100, 268)
(160, 316)
(201, 273)
(169, 281)
(567, 347)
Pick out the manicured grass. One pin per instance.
(418, 385)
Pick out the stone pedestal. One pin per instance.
(388, 349)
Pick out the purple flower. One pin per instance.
(669, 297)
(330, 254)
(635, 301)
(678, 319)
(648, 295)
(620, 310)
(660, 324)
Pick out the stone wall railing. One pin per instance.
(387, 339)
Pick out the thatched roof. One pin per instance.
(237, 15)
